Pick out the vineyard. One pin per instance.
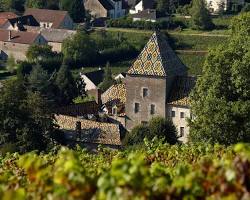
(153, 171)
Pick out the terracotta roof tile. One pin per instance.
(7, 15)
(18, 36)
(43, 15)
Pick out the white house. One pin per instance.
(217, 5)
(142, 5)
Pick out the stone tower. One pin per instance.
(149, 81)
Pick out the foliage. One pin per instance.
(220, 101)
(11, 64)
(12, 5)
(25, 120)
(155, 171)
(200, 17)
(40, 81)
(246, 8)
(66, 87)
(35, 3)
(75, 8)
(85, 99)
(129, 23)
(80, 49)
(38, 52)
(163, 128)
(157, 127)
(108, 80)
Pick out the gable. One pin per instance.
(157, 59)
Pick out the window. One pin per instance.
(182, 131)
(114, 111)
(136, 109)
(152, 109)
(182, 115)
(173, 114)
(144, 92)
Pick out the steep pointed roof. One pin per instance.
(157, 59)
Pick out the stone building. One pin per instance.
(157, 84)
(106, 8)
(139, 6)
(216, 6)
(16, 43)
(55, 19)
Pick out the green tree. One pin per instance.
(35, 4)
(108, 80)
(11, 64)
(157, 127)
(25, 120)
(66, 86)
(40, 81)
(163, 128)
(80, 49)
(165, 6)
(200, 17)
(221, 98)
(136, 135)
(75, 8)
(38, 52)
(11, 5)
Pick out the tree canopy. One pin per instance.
(221, 98)
(200, 17)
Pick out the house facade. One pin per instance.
(16, 43)
(105, 8)
(141, 6)
(216, 6)
(56, 19)
(156, 84)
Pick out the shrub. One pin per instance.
(163, 128)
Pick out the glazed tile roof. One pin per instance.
(116, 93)
(181, 88)
(91, 131)
(157, 59)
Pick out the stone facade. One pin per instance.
(96, 8)
(157, 85)
(18, 49)
(156, 88)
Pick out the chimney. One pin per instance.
(9, 35)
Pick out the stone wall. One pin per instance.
(95, 8)
(91, 131)
(178, 121)
(157, 90)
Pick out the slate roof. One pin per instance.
(18, 36)
(181, 88)
(80, 109)
(148, 4)
(56, 35)
(106, 4)
(116, 93)
(96, 76)
(148, 14)
(91, 131)
(43, 15)
(157, 59)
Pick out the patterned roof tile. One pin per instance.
(115, 93)
(157, 59)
